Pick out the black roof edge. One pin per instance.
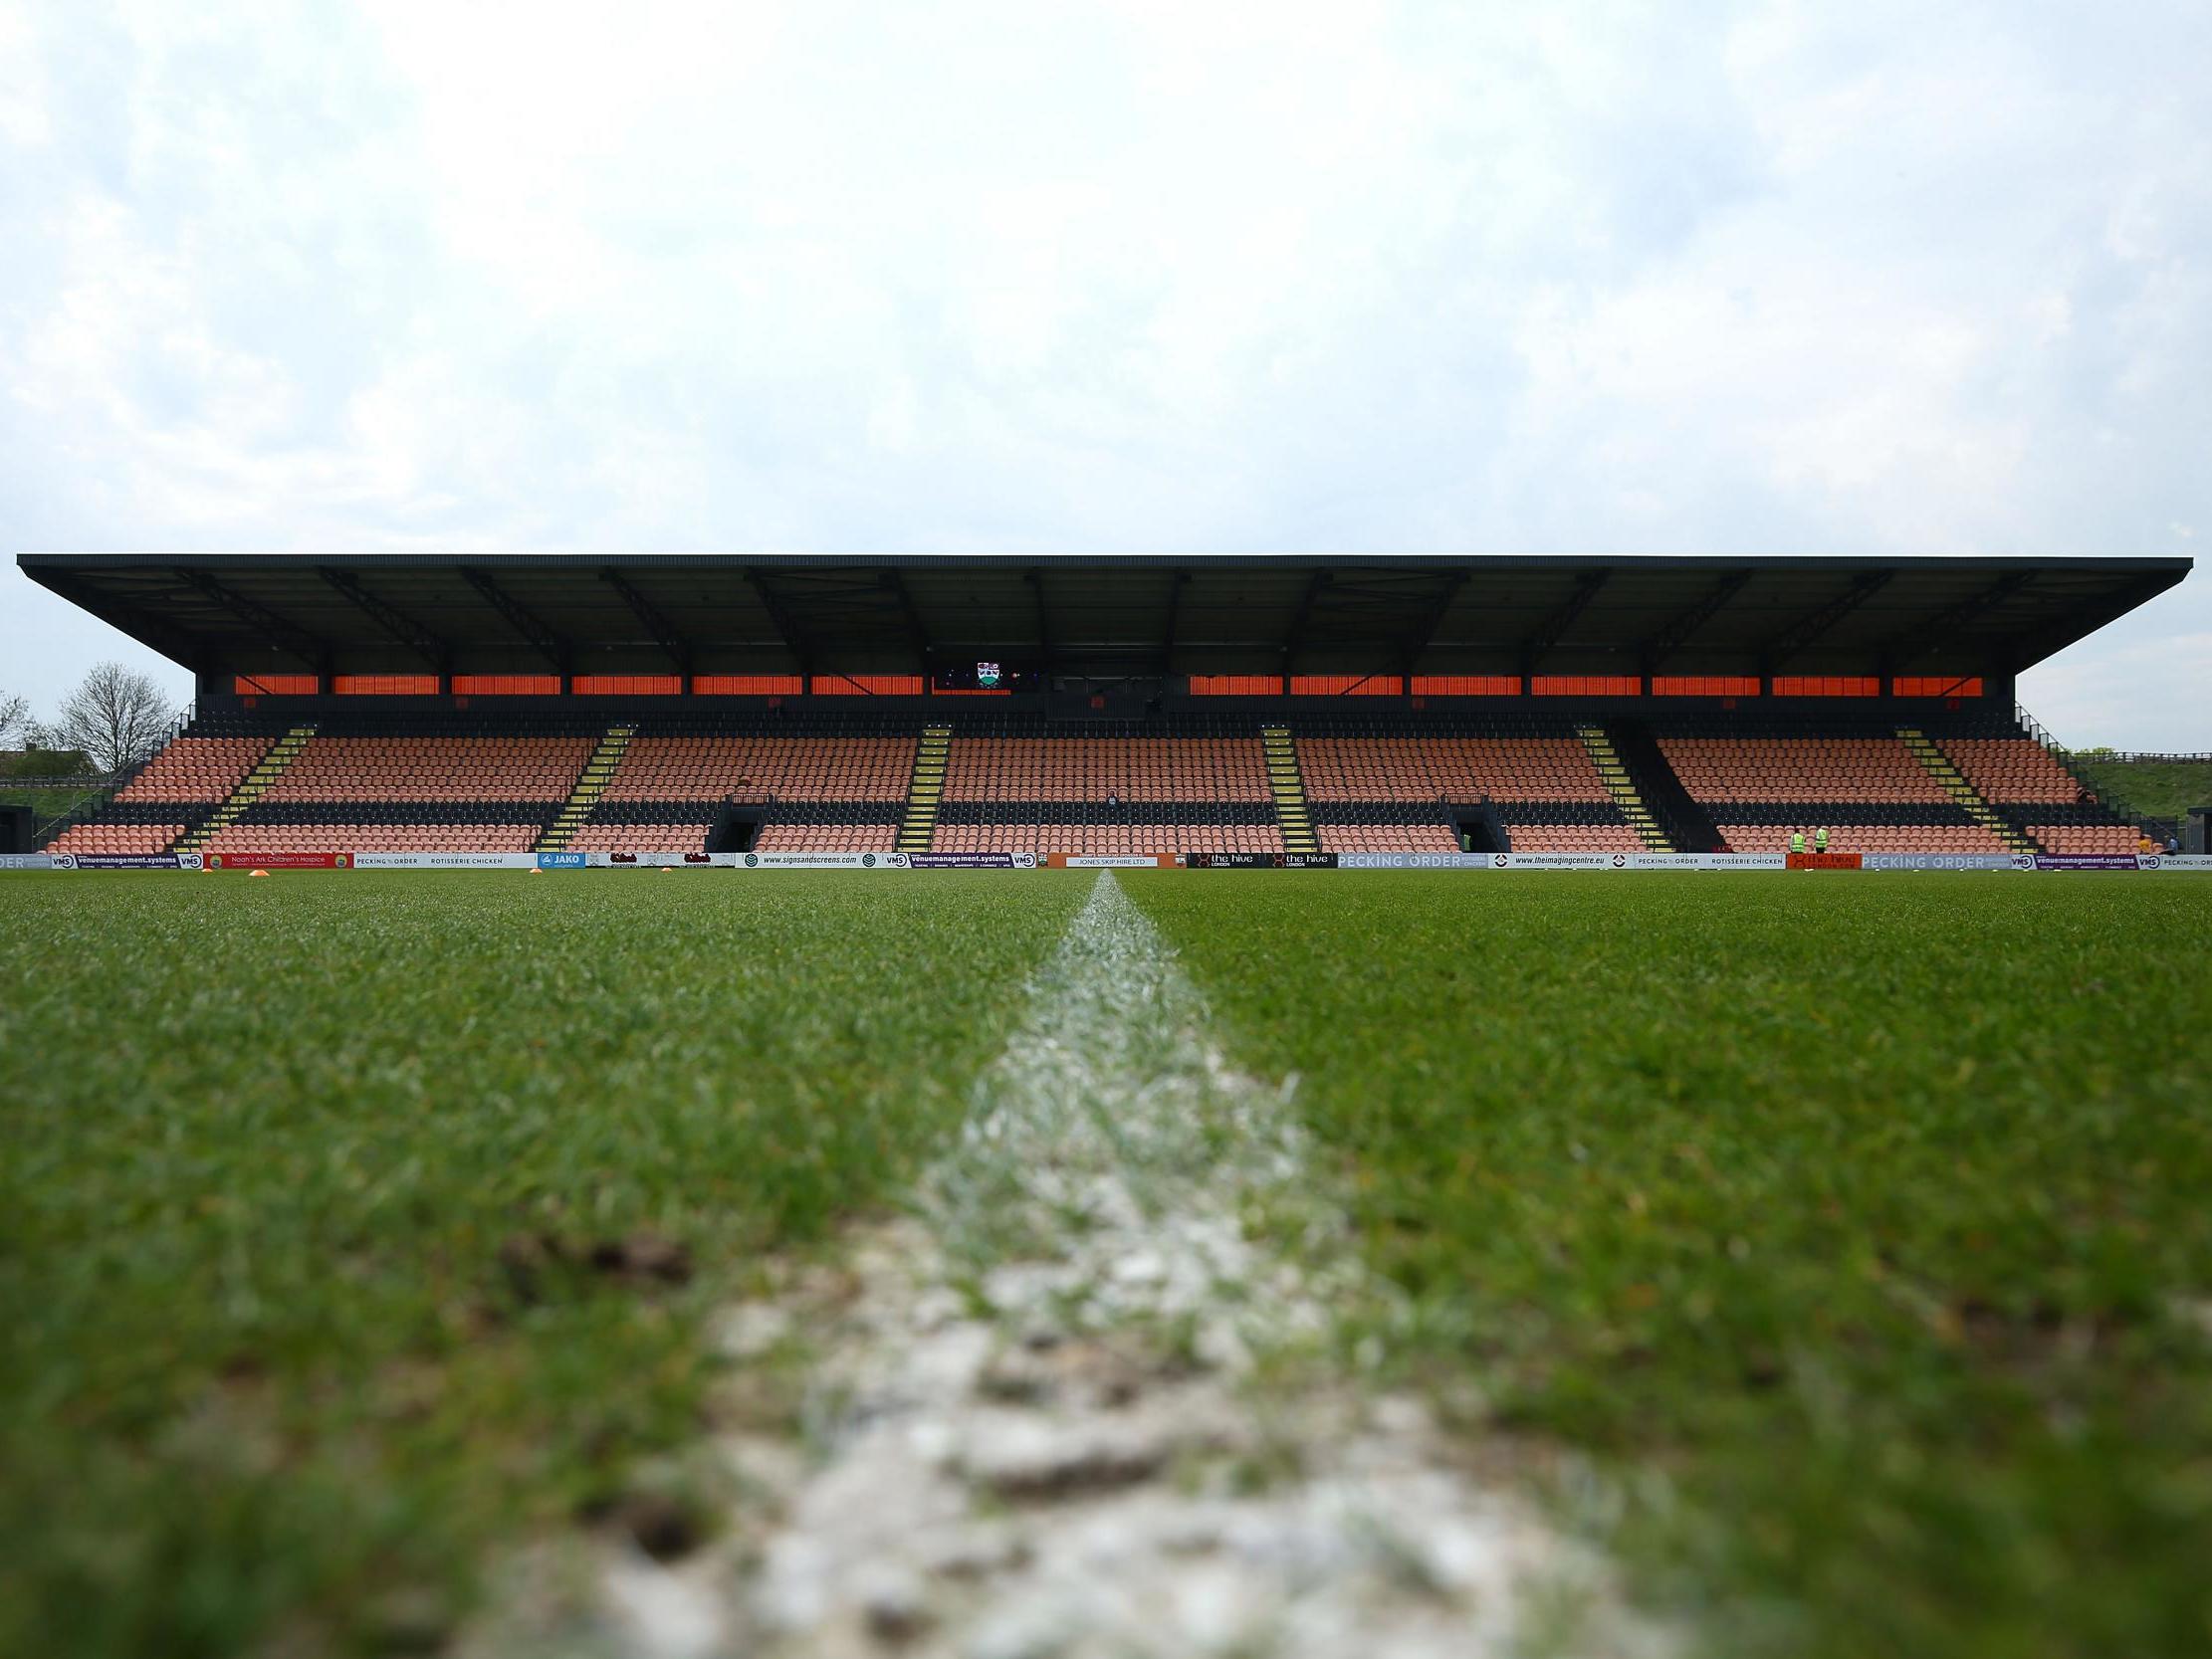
(2180, 565)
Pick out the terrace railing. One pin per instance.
(2065, 758)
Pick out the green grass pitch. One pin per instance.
(1855, 1229)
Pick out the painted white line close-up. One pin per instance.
(1035, 1427)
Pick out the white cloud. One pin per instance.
(1374, 277)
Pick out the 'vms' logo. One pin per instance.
(1025, 861)
(895, 861)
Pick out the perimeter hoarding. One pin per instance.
(1937, 861)
(445, 861)
(777, 861)
(278, 860)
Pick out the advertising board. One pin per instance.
(970, 861)
(1257, 861)
(2084, 861)
(1109, 861)
(440, 860)
(803, 861)
(277, 861)
(1937, 860)
(27, 861)
(1825, 861)
(1413, 861)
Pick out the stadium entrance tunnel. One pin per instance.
(736, 829)
(17, 832)
(1482, 830)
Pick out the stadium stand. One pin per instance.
(1859, 781)
(1145, 704)
(828, 785)
(2034, 791)
(201, 770)
(1198, 784)
(1363, 775)
(831, 782)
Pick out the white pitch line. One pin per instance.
(1040, 1436)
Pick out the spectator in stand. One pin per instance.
(2173, 844)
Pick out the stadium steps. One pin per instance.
(1613, 774)
(592, 783)
(1682, 819)
(924, 790)
(1292, 811)
(1952, 781)
(272, 766)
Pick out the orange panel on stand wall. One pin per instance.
(1829, 684)
(1585, 684)
(507, 684)
(384, 685)
(1705, 685)
(1466, 685)
(867, 685)
(1347, 684)
(1236, 685)
(747, 685)
(1935, 684)
(627, 684)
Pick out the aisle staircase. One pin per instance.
(1613, 774)
(924, 790)
(592, 783)
(1939, 766)
(1291, 810)
(272, 766)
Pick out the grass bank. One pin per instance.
(2158, 788)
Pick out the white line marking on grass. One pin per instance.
(1054, 1410)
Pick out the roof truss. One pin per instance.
(395, 622)
(557, 651)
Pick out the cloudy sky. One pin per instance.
(1862, 278)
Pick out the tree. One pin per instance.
(15, 723)
(118, 717)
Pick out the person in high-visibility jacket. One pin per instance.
(1820, 839)
(1797, 841)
